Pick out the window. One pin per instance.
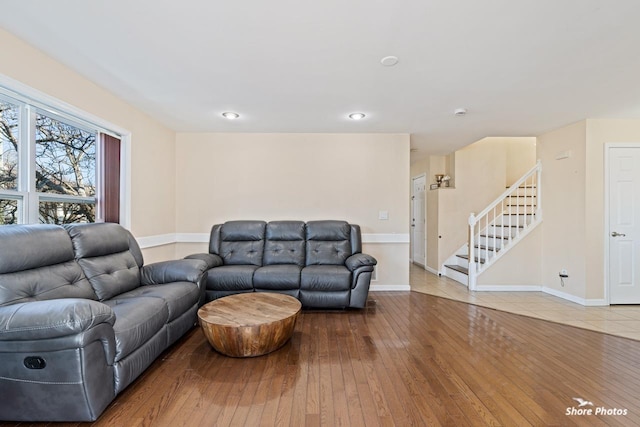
(49, 166)
(9, 136)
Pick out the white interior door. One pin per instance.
(419, 221)
(624, 225)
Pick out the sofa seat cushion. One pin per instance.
(179, 296)
(322, 299)
(325, 278)
(231, 278)
(277, 277)
(137, 320)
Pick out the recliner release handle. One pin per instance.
(34, 362)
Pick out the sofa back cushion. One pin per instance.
(37, 263)
(242, 242)
(285, 243)
(109, 257)
(328, 242)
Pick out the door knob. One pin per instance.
(616, 234)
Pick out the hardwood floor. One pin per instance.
(407, 359)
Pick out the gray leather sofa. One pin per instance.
(319, 262)
(81, 317)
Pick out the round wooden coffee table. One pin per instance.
(249, 324)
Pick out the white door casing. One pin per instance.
(419, 221)
(624, 224)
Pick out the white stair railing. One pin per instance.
(505, 221)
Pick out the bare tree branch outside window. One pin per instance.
(66, 165)
(9, 128)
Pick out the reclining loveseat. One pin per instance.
(319, 262)
(81, 317)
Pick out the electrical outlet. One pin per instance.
(563, 273)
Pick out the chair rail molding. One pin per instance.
(168, 239)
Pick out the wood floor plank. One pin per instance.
(405, 359)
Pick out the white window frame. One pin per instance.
(33, 100)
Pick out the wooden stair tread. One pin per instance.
(491, 236)
(459, 269)
(480, 260)
(483, 247)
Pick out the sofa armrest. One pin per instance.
(181, 270)
(212, 260)
(356, 261)
(52, 318)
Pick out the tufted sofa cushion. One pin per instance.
(242, 242)
(38, 264)
(103, 252)
(285, 243)
(328, 242)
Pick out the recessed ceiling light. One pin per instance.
(460, 111)
(357, 116)
(229, 115)
(389, 61)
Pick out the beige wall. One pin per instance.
(563, 206)
(520, 266)
(152, 144)
(224, 177)
(521, 157)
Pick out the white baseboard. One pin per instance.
(508, 288)
(596, 302)
(573, 298)
(546, 290)
(389, 288)
(432, 270)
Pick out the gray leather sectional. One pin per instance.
(319, 262)
(81, 317)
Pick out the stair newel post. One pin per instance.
(472, 255)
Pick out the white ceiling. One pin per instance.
(520, 67)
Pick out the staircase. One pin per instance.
(497, 228)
